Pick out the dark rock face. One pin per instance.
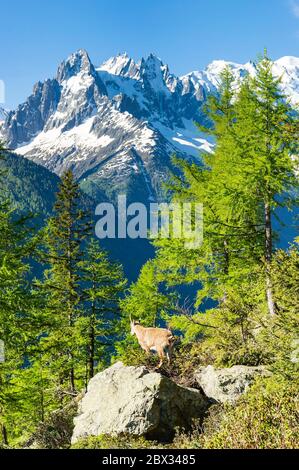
(30, 118)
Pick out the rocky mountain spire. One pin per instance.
(77, 62)
(121, 65)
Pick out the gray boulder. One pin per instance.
(132, 400)
(227, 385)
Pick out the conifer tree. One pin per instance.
(17, 325)
(64, 237)
(249, 174)
(266, 141)
(145, 300)
(102, 285)
(226, 224)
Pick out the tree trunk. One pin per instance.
(42, 397)
(4, 435)
(225, 268)
(72, 378)
(71, 298)
(71, 356)
(268, 259)
(91, 350)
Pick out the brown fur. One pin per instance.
(160, 340)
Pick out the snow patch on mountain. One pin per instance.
(75, 85)
(188, 139)
(121, 65)
(87, 137)
(288, 69)
(118, 124)
(56, 139)
(209, 79)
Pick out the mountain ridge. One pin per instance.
(116, 125)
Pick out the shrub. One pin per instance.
(131, 354)
(266, 417)
(104, 441)
(56, 431)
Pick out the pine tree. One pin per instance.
(229, 227)
(103, 283)
(249, 174)
(17, 324)
(64, 237)
(266, 139)
(145, 300)
(12, 293)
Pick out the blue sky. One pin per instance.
(187, 34)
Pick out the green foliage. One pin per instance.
(248, 176)
(30, 187)
(240, 330)
(81, 288)
(145, 301)
(266, 418)
(131, 354)
(56, 431)
(105, 441)
(266, 138)
(55, 329)
(103, 283)
(251, 172)
(63, 251)
(29, 395)
(18, 321)
(281, 335)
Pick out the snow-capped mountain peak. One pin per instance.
(121, 65)
(77, 62)
(118, 124)
(288, 62)
(154, 73)
(286, 68)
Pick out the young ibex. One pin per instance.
(159, 340)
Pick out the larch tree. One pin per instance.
(17, 325)
(266, 140)
(63, 251)
(103, 283)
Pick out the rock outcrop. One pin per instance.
(131, 400)
(227, 385)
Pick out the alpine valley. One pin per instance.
(117, 125)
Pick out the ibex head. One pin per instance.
(132, 324)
